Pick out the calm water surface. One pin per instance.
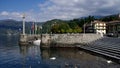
(14, 56)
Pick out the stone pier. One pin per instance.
(54, 40)
(28, 38)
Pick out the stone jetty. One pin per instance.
(68, 40)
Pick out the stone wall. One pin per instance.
(74, 38)
(48, 39)
(69, 38)
(25, 39)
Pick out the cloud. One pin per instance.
(15, 14)
(4, 13)
(30, 16)
(68, 9)
(10, 15)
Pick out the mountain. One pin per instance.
(110, 18)
(13, 25)
(98, 17)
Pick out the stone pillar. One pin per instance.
(23, 24)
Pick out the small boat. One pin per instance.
(109, 61)
(37, 42)
(53, 58)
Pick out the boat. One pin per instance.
(53, 58)
(37, 42)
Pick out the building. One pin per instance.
(89, 28)
(98, 27)
(113, 27)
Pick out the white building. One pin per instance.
(100, 27)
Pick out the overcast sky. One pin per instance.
(43, 10)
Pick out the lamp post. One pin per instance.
(51, 32)
(84, 26)
(41, 33)
(41, 30)
(23, 17)
(83, 40)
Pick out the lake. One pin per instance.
(12, 55)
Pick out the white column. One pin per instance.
(23, 24)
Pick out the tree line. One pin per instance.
(71, 26)
(75, 25)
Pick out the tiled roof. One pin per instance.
(114, 22)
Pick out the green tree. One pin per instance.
(55, 28)
(72, 25)
(75, 27)
(64, 26)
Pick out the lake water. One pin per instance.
(14, 56)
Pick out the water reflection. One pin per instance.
(30, 56)
(68, 53)
(72, 58)
(34, 56)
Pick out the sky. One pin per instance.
(44, 10)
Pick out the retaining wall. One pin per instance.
(53, 39)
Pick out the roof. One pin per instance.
(114, 22)
(97, 21)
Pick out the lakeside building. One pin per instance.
(113, 27)
(96, 26)
(100, 27)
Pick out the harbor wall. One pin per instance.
(54, 40)
(27, 38)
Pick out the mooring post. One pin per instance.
(41, 33)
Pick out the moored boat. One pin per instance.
(37, 42)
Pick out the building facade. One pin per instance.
(96, 26)
(113, 27)
(100, 27)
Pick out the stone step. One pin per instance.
(106, 53)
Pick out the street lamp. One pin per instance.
(52, 26)
(84, 27)
(41, 30)
(83, 40)
(41, 33)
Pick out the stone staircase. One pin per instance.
(106, 46)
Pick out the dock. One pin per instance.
(25, 39)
